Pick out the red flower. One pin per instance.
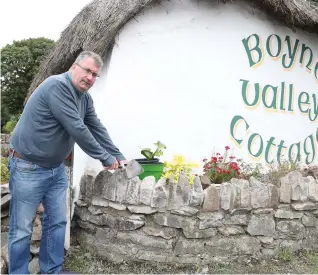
(227, 148)
(232, 157)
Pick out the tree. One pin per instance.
(20, 62)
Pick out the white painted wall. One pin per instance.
(174, 76)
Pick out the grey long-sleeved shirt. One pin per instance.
(54, 118)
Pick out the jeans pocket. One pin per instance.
(24, 165)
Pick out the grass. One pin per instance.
(81, 261)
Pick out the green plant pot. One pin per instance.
(155, 170)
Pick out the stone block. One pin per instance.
(175, 221)
(287, 214)
(311, 239)
(4, 267)
(122, 184)
(110, 187)
(100, 182)
(133, 191)
(242, 198)
(185, 211)
(34, 266)
(141, 209)
(146, 187)
(200, 233)
(4, 188)
(227, 196)
(211, 199)
(97, 201)
(301, 206)
(312, 189)
(299, 186)
(273, 195)
(160, 194)
(259, 194)
(5, 201)
(208, 220)
(231, 230)
(145, 240)
(261, 225)
(290, 230)
(265, 240)
(238, 245)
(188, 247)
(160, 231)
(181, 192)
(196, 192)
(117, 206)
(309, 220)
(240, 219)
(285, 190)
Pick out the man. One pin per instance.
(59, 113)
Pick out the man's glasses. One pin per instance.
(95, 75)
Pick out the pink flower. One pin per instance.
(227, 148)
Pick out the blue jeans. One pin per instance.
(29, 185)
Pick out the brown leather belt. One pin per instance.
(15, 154)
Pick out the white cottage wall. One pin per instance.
(174, 76)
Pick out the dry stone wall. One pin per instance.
(120, 219)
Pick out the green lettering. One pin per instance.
(274, 99)
(268, 149)
(316, 70)
(312, 150)
(300, 101)
(250, 142)
(245, 86)
(268, 45)
(304, 48)
(290, 152)
(234, 121)
(279, 151)
(256, 49)
(313, 112)
(291, 53)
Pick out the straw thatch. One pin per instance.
(95, 27)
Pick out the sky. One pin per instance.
(23, 19)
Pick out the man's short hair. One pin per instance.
(85, 54)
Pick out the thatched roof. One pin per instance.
(95, 27)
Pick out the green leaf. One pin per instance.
(147, 153)
(160, 145)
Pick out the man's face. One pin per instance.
(84, 74)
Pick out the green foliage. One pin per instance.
(10, 125)
(149, 154)
(178, 165)
(4, 170)
(20, 62)
(285, 255)
(278, 170)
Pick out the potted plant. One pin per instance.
(151, 164)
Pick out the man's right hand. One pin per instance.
(114, 166)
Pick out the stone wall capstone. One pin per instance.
(175, 222)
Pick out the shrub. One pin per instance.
(10, 125)
(5, 175)
(178, 165)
